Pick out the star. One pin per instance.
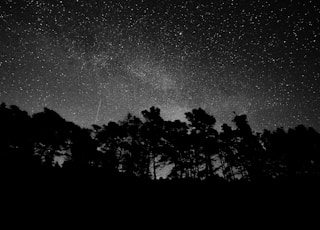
(96, 61)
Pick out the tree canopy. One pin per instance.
(149, 147)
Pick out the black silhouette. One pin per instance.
(145, 149)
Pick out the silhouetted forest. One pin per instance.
(149, 148)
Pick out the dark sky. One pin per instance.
(95, 61)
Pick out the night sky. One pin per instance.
(95, 61)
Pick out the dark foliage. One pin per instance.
(139, 150)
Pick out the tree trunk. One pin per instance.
(154, 167)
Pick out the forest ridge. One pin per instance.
(139, 147)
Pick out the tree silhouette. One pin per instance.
(275, 145)
(152, 132)
(50, 136)
(177, 150)
(135, 160)
(227, 151)
(204, 139)
(83, 149)
(109, 139)
(139, 148)
(303, 151)
(16, 145)
(249, 150)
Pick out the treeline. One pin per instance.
(143, 147)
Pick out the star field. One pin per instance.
(95, 61)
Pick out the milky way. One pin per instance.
(95, 61)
